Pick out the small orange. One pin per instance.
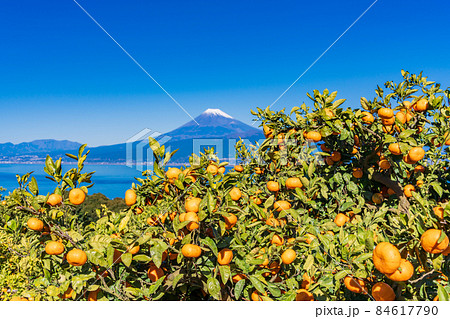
(336, 156)
(255, 296)
(288, 256)
(54, 248)
(394, 148)
(225, 256)
(383, 292)
(154, 273)
(355, 285)
(357, 172)
(92, 296)
(238, 277)
(416, 154)
(384, 164)
(293, 182)
(54, 200)
(386, 258)
(419, 168)
(133, 249)
(130, 197)
(304, 295)
(191, 251)
(408, 189)
(273, 186)
(192, 204)
(310, 238)
(377, 198)
(77, 196)
(76, 257)
(35, 224)
(388, 121)
(421, 105)
(367, 118)
(230, 220)
(281, 205)
(213, 169)
(193, 219)
(239, 168)
(277, 240)
(235, 194)
(341, 219)
(314, 136)
(438, 211)
(172, 174)
(385, 113)
(403, 273)
(429, 241)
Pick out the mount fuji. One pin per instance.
(212, 128)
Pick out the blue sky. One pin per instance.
(62, 77)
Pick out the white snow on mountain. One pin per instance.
(217, 112)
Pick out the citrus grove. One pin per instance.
(335, 204)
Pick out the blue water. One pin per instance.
(110, 180)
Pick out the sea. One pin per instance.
(110, 180)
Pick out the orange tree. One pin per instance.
(335, 204)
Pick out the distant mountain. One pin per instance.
(211, 128)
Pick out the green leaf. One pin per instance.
(238, 288)
(308, 262)
(124, 221)
(225, 273)
(257, 284)
(142, 258)
(213, 286)
(211, 244)
(127, 258)
(33, 186)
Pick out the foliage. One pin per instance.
(326, 250)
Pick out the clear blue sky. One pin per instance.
(61, 77)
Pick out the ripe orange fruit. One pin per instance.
(388, 121)
(172, 174)
(54, 200)
(67, 294)
(419, 183)
(355, 285)
(272, 222)
(357, 172)
(408, 189)
(133, 249)
(386, 258)
(54, 248)
(293, 182)
(192, 204)
(429, 241)
(35, 224)
(235, 194)
(304, 295)
(385, 113)
(193, 219)
(213, 169)
(438, 211)
(181, 218)
(230, 221)
(154, 273)
(309, 238)
(446, 252)
(419, 168)
(224, 256)
(384, 164)
(221, 170)
(407, 104)
(367, 118)
(273, 186)
(377, 198)
(238, 277)
(190, 250)
(341, 219)
(130, 197)
(77, 196)
(92, 296)
(277, 240)
(394, 148)
(314, 136)
(403, 273)
(383, 292)
(336, 156)
(288, 256)
(416, 154)
(259, 170)
(281, 205)
(421, 105)
(255, 296)
(76, 257)
(401, 117)
(239, 168)
(268, 132)
(408, 160)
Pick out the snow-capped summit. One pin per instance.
(217, 112)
